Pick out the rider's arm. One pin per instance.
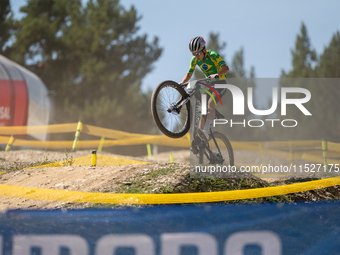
(224, 70)
(187, 77)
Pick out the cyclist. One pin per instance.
(214, 68)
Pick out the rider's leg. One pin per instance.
(202, 123)
(210, 115)
(205, 125)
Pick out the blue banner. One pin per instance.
(267, 229)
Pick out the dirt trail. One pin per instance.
(73, 178)
(108, 178)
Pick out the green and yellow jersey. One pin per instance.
(211, 64)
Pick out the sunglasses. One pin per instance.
(197, 54)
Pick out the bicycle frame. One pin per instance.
(203, 147)
(177, 107)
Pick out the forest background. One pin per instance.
(93, 59)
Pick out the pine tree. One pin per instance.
(6, 24)
(324, 104)
(330, 59)
(237, 65)
(92, 57)
(303, 57)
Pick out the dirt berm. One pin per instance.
(158, 177)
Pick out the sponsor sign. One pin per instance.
(271, 229)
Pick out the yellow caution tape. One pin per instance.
(308, 150)
(42, 145)
(279, 146)
(23, 130)
(107, 133)
(333, 147)
(102, 160)
(204, 197)
(144, 139)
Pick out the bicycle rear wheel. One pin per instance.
(222, 151)
(172, 120)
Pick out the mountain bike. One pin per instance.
(170, 105)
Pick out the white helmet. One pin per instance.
(197, 44)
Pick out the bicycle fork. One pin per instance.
(178, 105)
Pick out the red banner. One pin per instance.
(13, 103)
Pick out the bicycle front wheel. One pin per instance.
(172, 118)
(222, 152)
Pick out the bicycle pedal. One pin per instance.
(202, 135)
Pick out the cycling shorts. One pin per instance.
(221, 92)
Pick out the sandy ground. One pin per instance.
(73, 178)
(82, 178)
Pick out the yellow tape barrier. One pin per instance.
(66, 128)
(49, 129)
(282, 145)
(141, 139)
(108, 133)
(204, 197)
(125, 138)
(115, 134)
(307, 150)
(102, 160)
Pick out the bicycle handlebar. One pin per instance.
(199, 80)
